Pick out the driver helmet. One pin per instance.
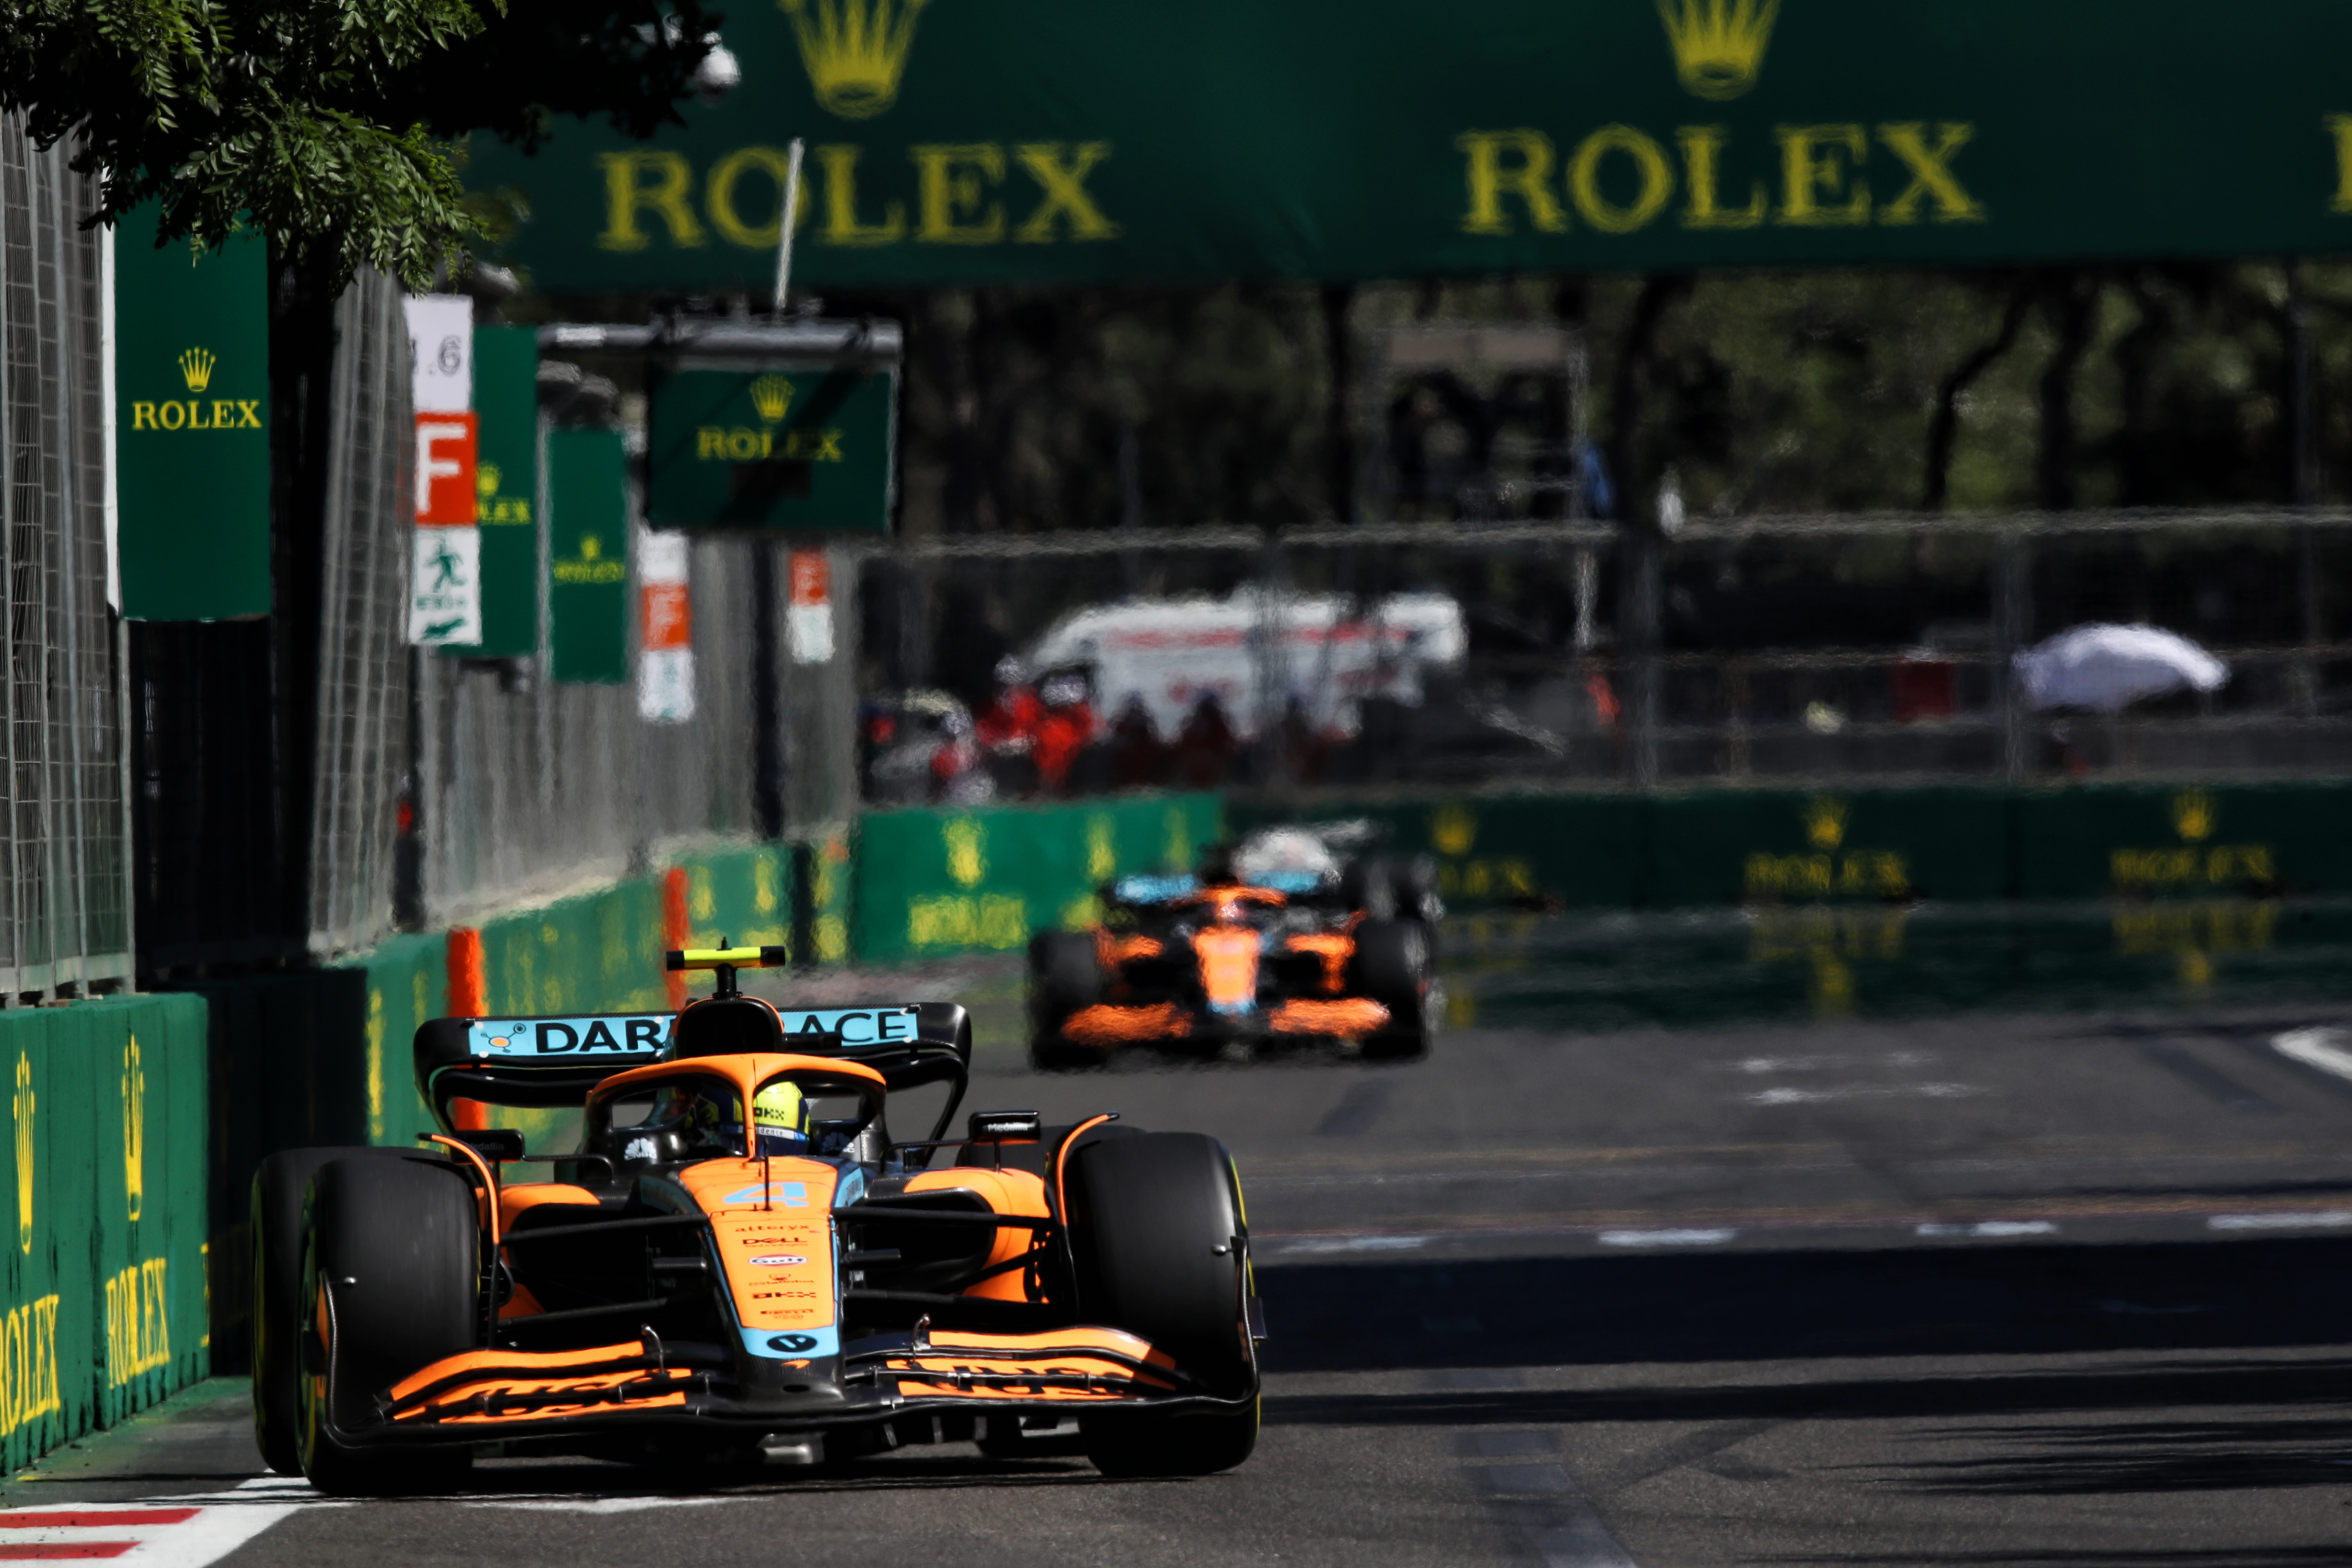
(779, 1112)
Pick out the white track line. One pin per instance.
(2300, 1219)
(1863, 1092)
(161, 1532)
(1991, 1227)
(2322, 1048)
(1665, 1237)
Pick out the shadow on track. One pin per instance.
(1976, 1299)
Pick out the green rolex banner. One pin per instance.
(799, 450)
(588, 547)
(961, 141)
(192, 425)
(505, 478)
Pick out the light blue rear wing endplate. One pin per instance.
(614, 1036)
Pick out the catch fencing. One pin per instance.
(363, 703)
(65, 895)
(532, 790)
(1738, 651)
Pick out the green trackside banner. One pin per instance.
(192, 425)
(506, 479)
(785, 449)
(1062, 141)
(588, 547)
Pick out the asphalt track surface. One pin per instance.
(2007, 1291)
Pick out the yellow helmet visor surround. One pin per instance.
(780, 1111)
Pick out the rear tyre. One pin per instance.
(1391, 965)
(276, 1229)
(1414, 880)
(1157, 1234)
(391, 1283)
(1065, 976)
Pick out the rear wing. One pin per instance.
(551, 1062)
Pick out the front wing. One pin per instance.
(498, 1393)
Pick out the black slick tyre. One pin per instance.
(1142, 1446)
(1391, 965)
(276, 1228)
(1160, 1250)
(391, 1283)
(1065, 977)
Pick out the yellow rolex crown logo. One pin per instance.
(196, 368)
(134, 1128)
(25, 1148)
(1453, 828)
(1825, 822)
(853, 50)
(771, 395)
(591, 547)
(966, 849)
(485, 481)
(1718, 44)
(2193, 814)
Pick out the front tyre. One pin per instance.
(1162, 1251)
(277, 1226)
(391, 1283)
(1138, 1445)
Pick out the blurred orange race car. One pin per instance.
(1272, 941)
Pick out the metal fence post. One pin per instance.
(1642, 592)
(2013, 589)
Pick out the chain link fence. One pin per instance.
(532, 789)
(64, 916)
(1562, 654)
(363, 703)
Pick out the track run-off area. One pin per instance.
(2016, 1288)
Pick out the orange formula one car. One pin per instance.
(1272, 941)
(741, 1255)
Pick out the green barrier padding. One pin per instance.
(935, 881)
(407, 981)
(1772, 845)
(1947, 844)
(2184, 840)
(106, 1274)
(744, 895)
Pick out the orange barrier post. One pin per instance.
(468, 998)
(674, 931)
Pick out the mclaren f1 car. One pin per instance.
(739, 1256)
(1272, 941)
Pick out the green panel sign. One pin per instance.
(588, 548)
(192, 425)
(1062, 141)
(506, 477)
(932, 881)
(787, 448)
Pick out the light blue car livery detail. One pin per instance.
(792, 1344)
(855, 1026)
(622, 1034)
